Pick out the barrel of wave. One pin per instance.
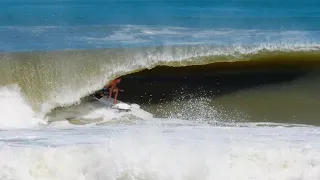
(61, 78)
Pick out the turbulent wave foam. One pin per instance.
(15, 112)
(166, 153)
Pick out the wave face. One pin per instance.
(61, 78)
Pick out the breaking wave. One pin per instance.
(50, 79)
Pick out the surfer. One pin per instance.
(112, 87)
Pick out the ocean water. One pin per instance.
(225, 89)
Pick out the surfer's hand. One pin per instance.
(121, 90)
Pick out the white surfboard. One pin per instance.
(110, 103)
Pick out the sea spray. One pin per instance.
(15, 112)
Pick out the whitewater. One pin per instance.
(225, 90)
(161, 150)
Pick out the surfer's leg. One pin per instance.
(115, 95)
(110, 92)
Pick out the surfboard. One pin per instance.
(110, 103)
